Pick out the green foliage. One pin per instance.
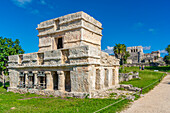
(127, 54)
(168, 49)
(121, 53)
(120, 88)
(8, 47)
(167, 57)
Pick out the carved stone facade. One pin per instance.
(69, 61)
(137, 56)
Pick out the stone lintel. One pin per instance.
(69, 29)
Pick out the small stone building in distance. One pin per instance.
(69, 61)
(137, 56)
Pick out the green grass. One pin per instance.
(160, 68)
(55, 105)
(147, 78)
(71, 105)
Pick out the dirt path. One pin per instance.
(156, 101)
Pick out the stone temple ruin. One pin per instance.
(69, 61)
(137, 56)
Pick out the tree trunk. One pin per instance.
(3, 78)
(122, 62)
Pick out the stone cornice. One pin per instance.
(68, 29)
(52, 66)
(83, 56)
(44, 27)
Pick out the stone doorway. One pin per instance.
(60, 43)
(55, 81)
(113, 77)
(97, 82)
(67, 81)
(106, 78)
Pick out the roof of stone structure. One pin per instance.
(155, 52)
(70, 17)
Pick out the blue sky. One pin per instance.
(129, 22)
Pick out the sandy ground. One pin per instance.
(156, 101)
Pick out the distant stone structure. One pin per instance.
(137, 56)
(69, 61)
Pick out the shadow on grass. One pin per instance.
(6, 85)
(162, 68)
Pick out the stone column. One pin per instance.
(92, 78)
(102, 76)
(61, 80)
(49, 80)
(109, 77)
(116, 73)
(35, 78)
(26, 78)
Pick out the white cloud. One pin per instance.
(163, 51)
(109, 50)
(147, 47)
(21, 3)
(151, 30)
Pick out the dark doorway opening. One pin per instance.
(55, 81)
(67, 81)
(60, 43)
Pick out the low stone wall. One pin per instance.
(144, 64)
(129, 87)
(49, 92)
(128, 76)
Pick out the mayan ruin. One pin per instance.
(69, 61)
(137, 56)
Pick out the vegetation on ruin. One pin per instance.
(11, 102)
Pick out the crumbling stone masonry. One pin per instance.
(69, 61)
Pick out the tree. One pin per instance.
(8, 47)
(121, 53)
(127, 54)
(167, 57)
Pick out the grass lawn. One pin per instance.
(71, 105)
(161, 68)
(54, 104)
(147, 77)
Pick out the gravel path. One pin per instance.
(156, 101)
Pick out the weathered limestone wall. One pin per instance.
(101, 78)
(52, 57)
(108, 60)
(80, 79)
(29, 59)
(72, 38)
(76, 29)
(14, 78)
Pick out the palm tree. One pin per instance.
(120, 52)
